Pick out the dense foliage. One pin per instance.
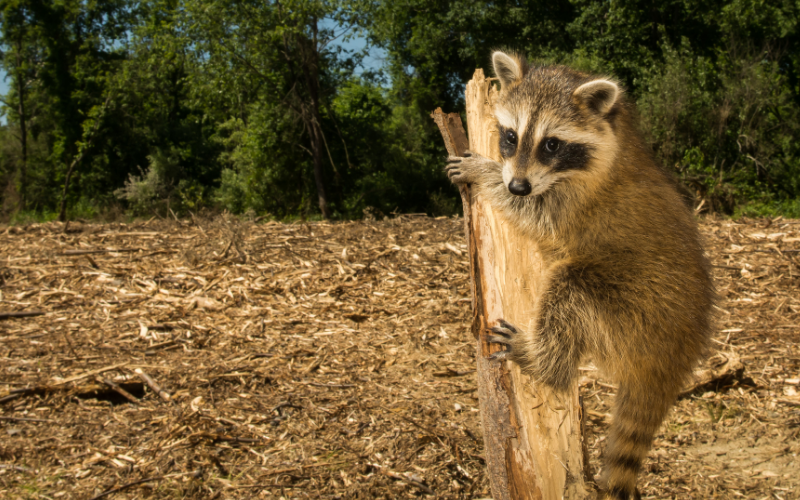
(255, 106)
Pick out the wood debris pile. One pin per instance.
(216, 358)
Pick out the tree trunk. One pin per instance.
(310, 67)
(62, 211)
(316, 149)
(23, 128)
(533, 437)
(83, 147)
(305, 55)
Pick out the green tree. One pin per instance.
(276, 55)
(20, 59)
(66, 52)
(434, 47)
(166, 114)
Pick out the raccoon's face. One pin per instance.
(554, 126)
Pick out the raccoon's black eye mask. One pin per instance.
(562, 155)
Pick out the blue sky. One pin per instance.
(374, 59)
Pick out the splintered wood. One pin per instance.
(533, 437)
(335, 360)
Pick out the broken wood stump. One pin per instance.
(533, 437)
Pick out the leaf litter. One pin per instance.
(221, 358)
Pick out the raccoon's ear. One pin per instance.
(598, 95)
(508, 68)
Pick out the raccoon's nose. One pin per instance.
(519, 187)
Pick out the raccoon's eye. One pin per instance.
(552, 144)
(511, 137)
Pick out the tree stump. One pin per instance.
(533, 437)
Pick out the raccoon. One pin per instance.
(626, 281)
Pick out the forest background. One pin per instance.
(254, 106)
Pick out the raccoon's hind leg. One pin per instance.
(638, 412)
(550, 357)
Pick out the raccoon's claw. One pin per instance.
(454, 161)
(499, 339)
(505, 332)
(500, 355)
(458, 159)
(455, 169)
(505, 329)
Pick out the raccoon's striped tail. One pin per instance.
(638, 412)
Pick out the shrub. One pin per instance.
(726, 126)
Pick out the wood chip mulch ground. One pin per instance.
(220, 358)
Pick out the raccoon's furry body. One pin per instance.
(626, 281)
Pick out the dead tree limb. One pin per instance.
(20, 314)
(533, 437)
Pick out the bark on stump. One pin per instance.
(533, 437)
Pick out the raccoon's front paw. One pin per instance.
(467, 169)
(506, 333)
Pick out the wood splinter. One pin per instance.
(119, 390)
(152, 384)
